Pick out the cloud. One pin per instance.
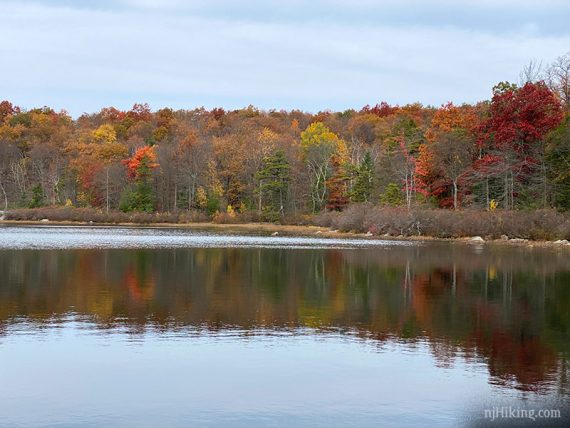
(85, 55)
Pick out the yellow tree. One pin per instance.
(108, 151)
(318, 146)
(91, 153)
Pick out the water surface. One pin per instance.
(170, 327)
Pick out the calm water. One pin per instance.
(148, 327)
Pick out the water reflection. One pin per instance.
(503, 307)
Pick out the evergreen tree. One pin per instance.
(392, 195)
(37, 197)
(558, 164)
(273, 178)
(363, 179)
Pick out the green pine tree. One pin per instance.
(392, 195)
(363, 175)
(37, 197)
(273, 179)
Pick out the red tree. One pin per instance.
(381, 110)
(140, 164)
(513, 134)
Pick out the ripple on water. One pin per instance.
(59, 237)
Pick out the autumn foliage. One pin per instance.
(510, 152)
(139, 165)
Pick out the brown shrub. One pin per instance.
(535, 225)
(88, 215)
(193, 216)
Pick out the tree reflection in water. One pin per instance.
(508, 308)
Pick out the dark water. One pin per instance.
(258, 334)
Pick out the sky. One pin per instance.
(310, 55)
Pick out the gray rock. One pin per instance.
(477, 240)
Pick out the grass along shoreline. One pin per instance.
(544, 228)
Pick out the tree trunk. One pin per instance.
(409, 190)
(512, 190)
(5, 197)
(454, 194)
(107, 189)
(508, 191)
(487, 200)
(259, 200)
(281, 209)
(545, 184)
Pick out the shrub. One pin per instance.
(536, 225)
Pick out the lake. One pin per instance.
(172, 327)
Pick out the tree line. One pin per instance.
(510, 152)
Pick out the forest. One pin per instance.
(511, 152)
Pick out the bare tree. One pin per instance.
(532, 72)
(558, 78)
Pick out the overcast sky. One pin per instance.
(310, 55)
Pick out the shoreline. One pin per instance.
(293, 230)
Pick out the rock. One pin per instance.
(318, 232)
(504, 238)
(477, 240)
(44, 220)
(368, 234)
(275, 234)
(517, 240)
(562, 242)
